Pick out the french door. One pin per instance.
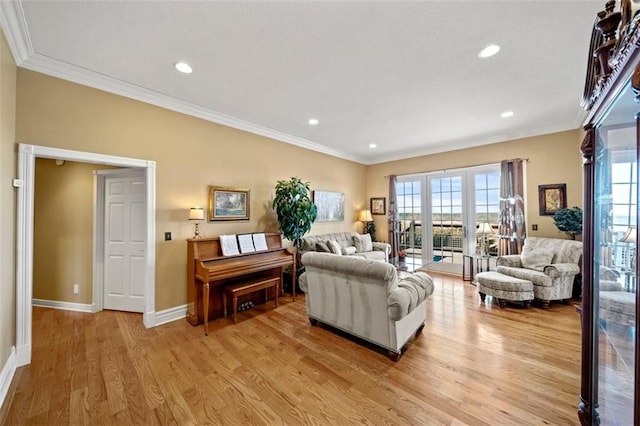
(453, 206)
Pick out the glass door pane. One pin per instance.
(447, 222)
(409, 202)
(615, 266)
(487, 211)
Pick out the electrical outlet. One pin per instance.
(76, 289)
(534, 227)
(167, 236)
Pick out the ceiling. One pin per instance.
(403, 75)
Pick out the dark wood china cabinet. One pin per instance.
(610, 380)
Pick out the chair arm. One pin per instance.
(386, 247)
(302, 281)
(409, 293)
(512, 260)
(608, 274)
(561, 270)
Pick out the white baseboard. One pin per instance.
(69, 306)
(6, 375)
(171, 314)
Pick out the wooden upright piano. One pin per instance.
(208, 271)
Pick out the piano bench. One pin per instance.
(236, 290)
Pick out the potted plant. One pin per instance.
(295, 210)
(569, 220)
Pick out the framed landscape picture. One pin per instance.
(228, 203)
(378, 205)
(330, 206)
(552, 198)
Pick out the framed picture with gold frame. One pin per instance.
(228, 203)
(552, 198)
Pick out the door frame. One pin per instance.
(99, 178)
(25, 183)
(469, 212)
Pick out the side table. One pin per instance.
(472, 264)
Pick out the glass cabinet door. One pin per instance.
(615, 265)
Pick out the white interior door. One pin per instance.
(124, 236)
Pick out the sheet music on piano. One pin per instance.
(260, 242)
(229, 245)
(246, 243)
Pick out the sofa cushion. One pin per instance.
(322, 247)
(536, 277)
(348, 250)
(536, 259)
(372, 255)
(363, 243)
(334, 247)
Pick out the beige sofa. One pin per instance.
(365, 298)
(551, 265)
(350, 243)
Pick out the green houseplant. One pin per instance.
(295, 210)
(296, 213)
(569, 220)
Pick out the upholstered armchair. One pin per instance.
(550, 264)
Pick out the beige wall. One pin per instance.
(553, 158)
(63, 231)
(7, 200)
(190, 153)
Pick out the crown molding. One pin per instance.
(472, 142)
(65, 71)
(15, 30)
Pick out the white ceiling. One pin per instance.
(401, 74)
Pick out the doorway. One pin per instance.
(24, 234)
(460, 210)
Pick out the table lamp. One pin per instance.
(484, 229)
(366, 218)
(630, 237)
(196, 214)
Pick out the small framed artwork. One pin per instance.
(330, 206)
(552, 198)
(228, 203)
(378, 205)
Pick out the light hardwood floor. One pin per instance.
(474, 364)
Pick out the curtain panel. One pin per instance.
(511, 227)
(392, 218)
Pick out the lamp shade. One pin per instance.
(484, 228)
(365, 216)
(629, 236)
(196, 213)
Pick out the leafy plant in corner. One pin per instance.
(569, 220)
(295, 209)
(370, 228)
(296, 213)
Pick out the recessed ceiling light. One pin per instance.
(372, 145)
(507, 114)
(488, 51)
(183, 67)
(313, 121)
